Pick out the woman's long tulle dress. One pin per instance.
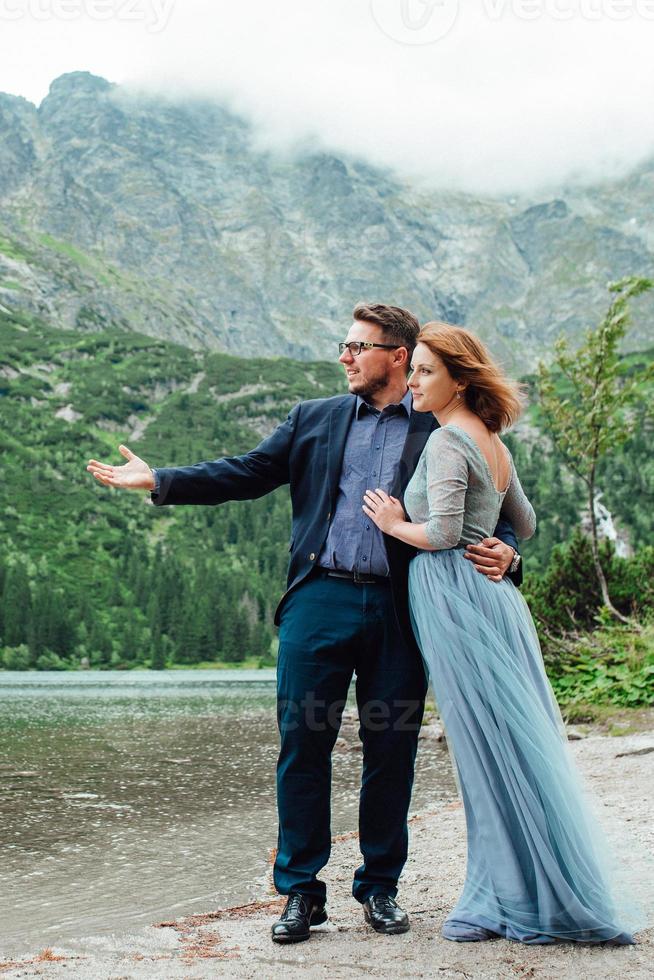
(536, 864)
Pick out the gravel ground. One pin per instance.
(236, 942)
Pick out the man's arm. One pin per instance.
(493, 556)
(504, 531)
(233, 477)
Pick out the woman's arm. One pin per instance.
(447, 482)
(517, 509)
(388, 514)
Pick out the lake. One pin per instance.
(128, 797)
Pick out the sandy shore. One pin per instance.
(236, 942)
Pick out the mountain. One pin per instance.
(129, 212)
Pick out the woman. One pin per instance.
(536, 869)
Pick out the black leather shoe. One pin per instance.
(384, 914)
(301, 912)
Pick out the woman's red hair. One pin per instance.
(497, 400)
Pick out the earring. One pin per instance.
(458, 394)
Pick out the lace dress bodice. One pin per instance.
(453, 493)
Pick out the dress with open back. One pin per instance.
(537, 870)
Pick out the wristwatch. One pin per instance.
(515, 562)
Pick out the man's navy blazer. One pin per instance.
(306, 451)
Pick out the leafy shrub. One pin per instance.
(566, 597)
(611, 666)
(51, 661)
(591, 659)
(15, 658)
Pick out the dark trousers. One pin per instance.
(329, 629)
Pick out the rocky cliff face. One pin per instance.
(117, 209)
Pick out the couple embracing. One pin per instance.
(404, 566)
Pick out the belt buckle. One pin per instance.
(362, 579)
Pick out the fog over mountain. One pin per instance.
(484, 97)
(169, 216)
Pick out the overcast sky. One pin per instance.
(481, 95)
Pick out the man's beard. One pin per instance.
(372, 385)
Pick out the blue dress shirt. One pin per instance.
(372, 452)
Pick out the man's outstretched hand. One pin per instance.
(491, 557)
(135, 474)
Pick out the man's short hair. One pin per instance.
(399, 326)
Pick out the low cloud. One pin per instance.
(499, 96)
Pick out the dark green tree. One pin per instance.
(16, 604)
(236, 638)
(49, 626)
(158, 648)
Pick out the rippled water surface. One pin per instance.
(129, 797)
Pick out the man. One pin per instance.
(345, 610)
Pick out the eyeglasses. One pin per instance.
(356, 346)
